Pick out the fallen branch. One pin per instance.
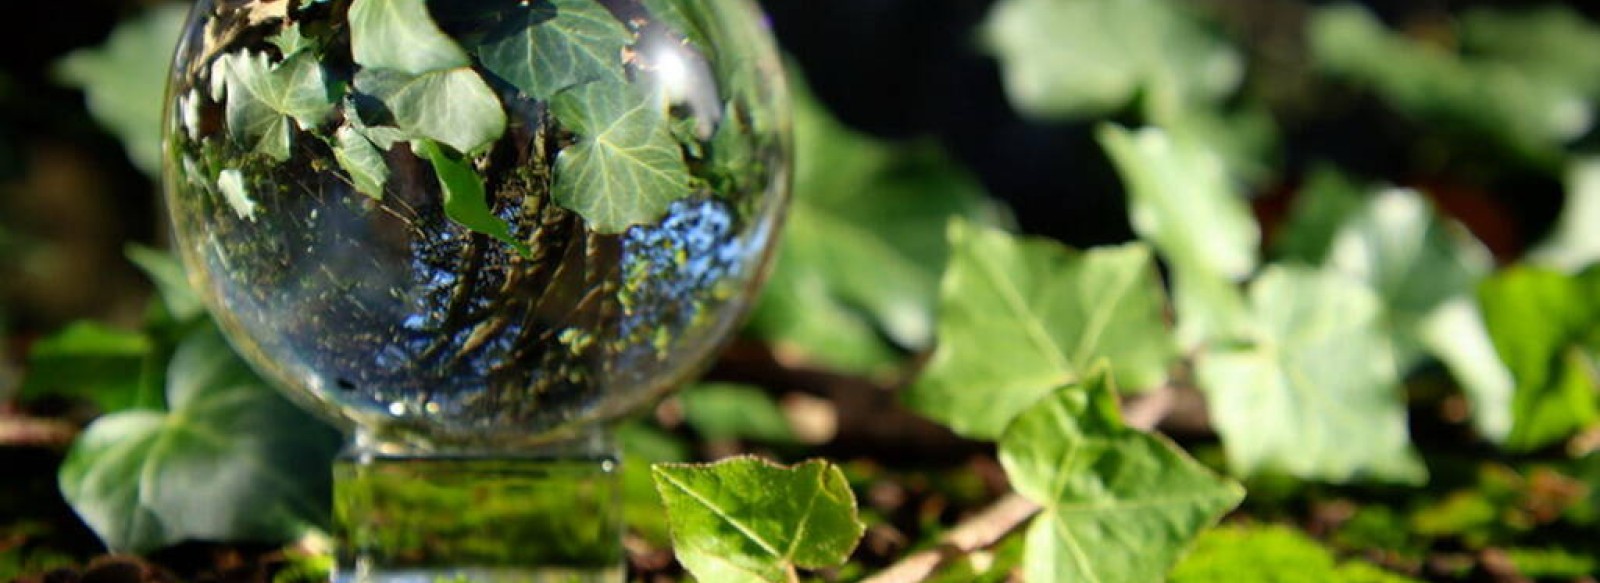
(986, 528)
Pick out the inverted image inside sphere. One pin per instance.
(476, 222)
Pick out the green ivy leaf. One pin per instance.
(263, 97)
(745, 519)
(1020, 317)
(1552, 41)
(170, 280)
(1505, 104)
(465, 201)
(450, 106)
(1182, 201)
(1541, 322)
(626, 168)
(683, 19)
(401, 35)
(724, 411)
(1119, 505)
(1457, 335)
(1316, 393)
(546, 46)
(1574, 245)
(125, 80)
(362, 160)
(1270, 553)
(1412, 257)
(1086, 58)
(102, 364)
(864, 244)
(231, 461)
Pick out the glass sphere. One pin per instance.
(477, 223)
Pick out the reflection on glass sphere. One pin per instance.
(476, 222)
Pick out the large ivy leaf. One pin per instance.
(1119, 505)
(125, 80)
(465, 200)
(1085, 58)
(745, 519)
(263, 97)
(450, 106)
(1270, 553)
(1412, 257)
(1316, 394)
(1181, 200)
(1542, 324)
(1574, 244)
(546, 46)
(1020, 317)
(401, 35)
(1518, 108)
(110, 367)
(626, 168)
(232, 460)
(864, 244)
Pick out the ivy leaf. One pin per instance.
(626, 168)
(401, 35)
(1541, 322)
(1180, 199)
(231, 461)
(362, 160)
(465, 201)
(1552, 41)
(546, 46)
(1316, 394)
(1504, 104)
(1020, 317)
(450, 106)
(263, 97)
(1573, 245)
(1087, 58)
(170, 280)
(1119, 505)
(102, 364)
(864, 244)
(745, 519)
(1457, 335)
(1270, 553)
(1412, 257)
(125, 80)
(725, 411)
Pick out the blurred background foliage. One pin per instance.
(1415, 146)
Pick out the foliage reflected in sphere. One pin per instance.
(476, 222)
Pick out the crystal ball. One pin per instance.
(476, 223)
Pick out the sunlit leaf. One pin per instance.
(1020, 317)
(1541, 322)
(1316, 393)
(232, 460)
(450, 106)
(626, 168)
(746, 519)
(126, 78)
(401, 35)
(1081, 58)
(1575, 242)
(1120, 505)
(545, 46)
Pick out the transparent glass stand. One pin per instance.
(546, 516)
